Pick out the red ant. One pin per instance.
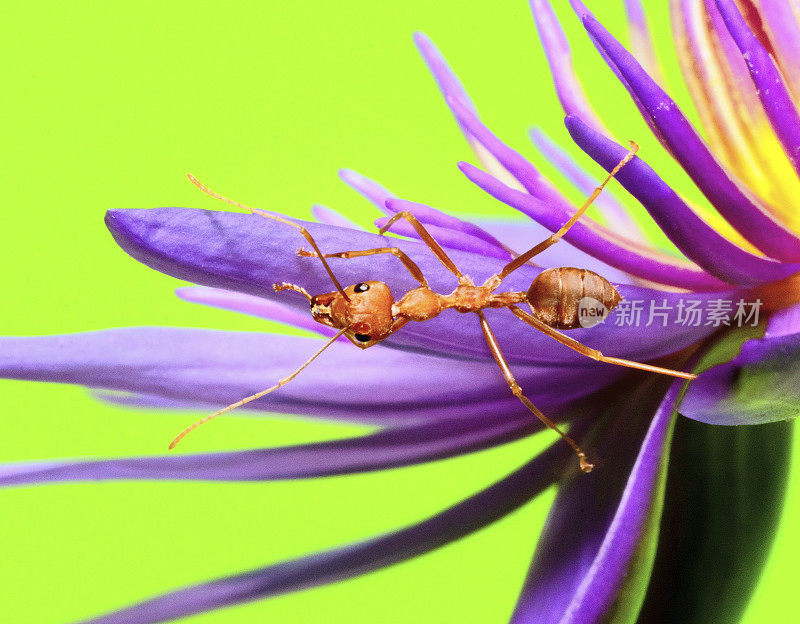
(367, 313)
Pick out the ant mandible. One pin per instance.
(367, 313)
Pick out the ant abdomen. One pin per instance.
(556, 295)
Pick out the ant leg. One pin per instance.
(257, 395)
(491, 340)
(306, 234)
(435, 247)
(555, 237)
(412, 267)
(588, 351)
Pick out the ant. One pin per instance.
(367, 313)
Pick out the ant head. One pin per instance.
(367, 315)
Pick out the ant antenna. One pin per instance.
(255, 396)
(306, 234)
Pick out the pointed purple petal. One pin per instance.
(372, 191)
(771, 89)
(389, 448)
(750, 220)
(697, 240)
(447, 81)
(559, 57)
(599, 523)
(216, 367)
(248, 253)
(630, 258)
(522, 170)
(615, 213)
(626, 542)
(345, 562)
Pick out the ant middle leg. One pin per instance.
(410, 265)
(494, 347)
(426, 237)
(556, 236)
(588, 351)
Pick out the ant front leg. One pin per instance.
(426, 237)
(588, 351)
(412, 267)
(494, 347)
(556, 236)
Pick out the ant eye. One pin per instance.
(362, 337)
(361, 287)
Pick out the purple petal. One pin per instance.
(625, 543)
(254, 306)
(334, 565)
(432, 216)
(630, 258)
(447, 81)
(323, 214)
(751, 220)
(389, 448)
(615, 213)
(216, 367)
(568, 86)
(372, 191)
(772, 91)
(696, 239)
(522, 170)
(599, 523)
(761, 384)
(451, 239)
(248, 253)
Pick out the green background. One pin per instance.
(109, 105)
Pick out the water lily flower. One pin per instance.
(675, 522)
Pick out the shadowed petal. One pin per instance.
(247, 253)
(598, 535)
(559, 57)
(696, 239)
(217, 367)
(771, 89)
(629, 257)
(345, 562)
(389, 448)
(761, 384)
(750, 220)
